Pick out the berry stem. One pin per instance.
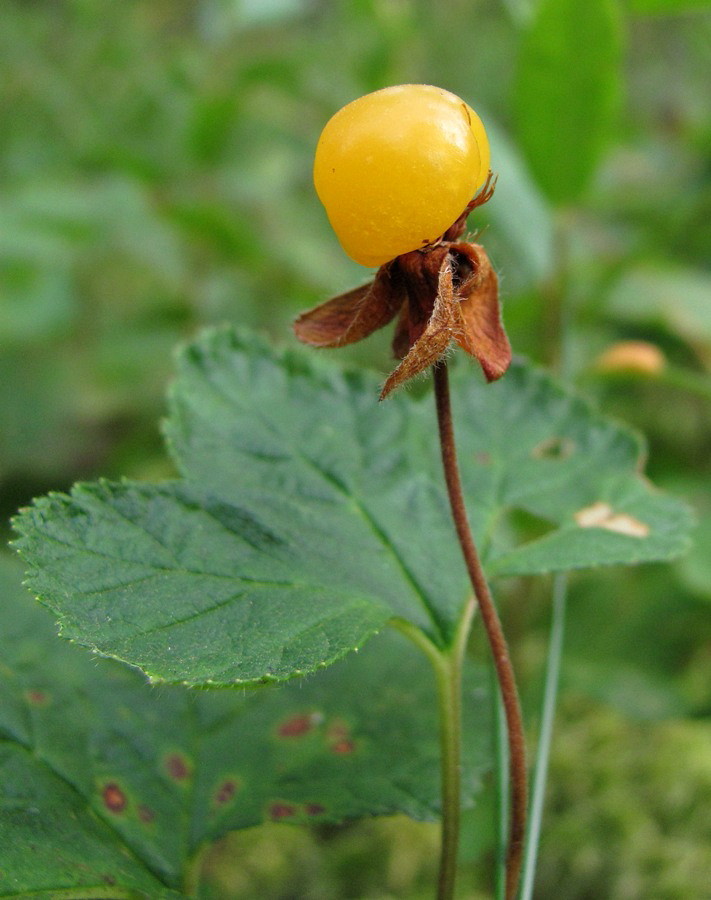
(494, 633)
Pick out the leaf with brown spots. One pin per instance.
(114, 798)
(115, 782)
(602, 515)
(307, 517)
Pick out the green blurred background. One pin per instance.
(155, 162)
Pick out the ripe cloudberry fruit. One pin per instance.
(395, 168)
(397, 172)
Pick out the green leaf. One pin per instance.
(669, 7)
(116, 786)
(37, 302)
(37, 411)
(543, 450)
(521, 220)
(310, 514)
(671, 296)
(566, 92)
(695, 567)
(202, 590)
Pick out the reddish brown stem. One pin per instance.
(494, 633)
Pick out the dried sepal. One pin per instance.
(483, 335)
(439, 330)
(401, 338)
(443, 292)
(456, 230)
(352, 316)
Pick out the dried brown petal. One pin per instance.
(456, 230)
(352, 316)
(421, 274)
(401, 338)
(435, 338)
(483, 334)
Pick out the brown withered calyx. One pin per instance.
(444, 292)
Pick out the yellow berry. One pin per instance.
(395, 168)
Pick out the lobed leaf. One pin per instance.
(542, 450)
(309, 515)
(111, 787)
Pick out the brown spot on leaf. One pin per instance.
(114, 798)
(298, 725)
(593, 516)
(339, 738)
(337, 730)
(108, 879)
(602, 515)
(315, 809)
(37, 698)
(280, 811)
(554, 448)
(624, 524)
(146, 814)
(178, 767)
(226, 792)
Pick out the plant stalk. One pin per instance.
(449, 689)
(555, 651)
(448, 667)
(503, 792)
(494, 633)
(450, 704)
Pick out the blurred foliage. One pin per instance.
(633, 821)
(155, 177)
(567, 90)
(386, 857)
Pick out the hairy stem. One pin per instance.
(503, 792)
(494, 632)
